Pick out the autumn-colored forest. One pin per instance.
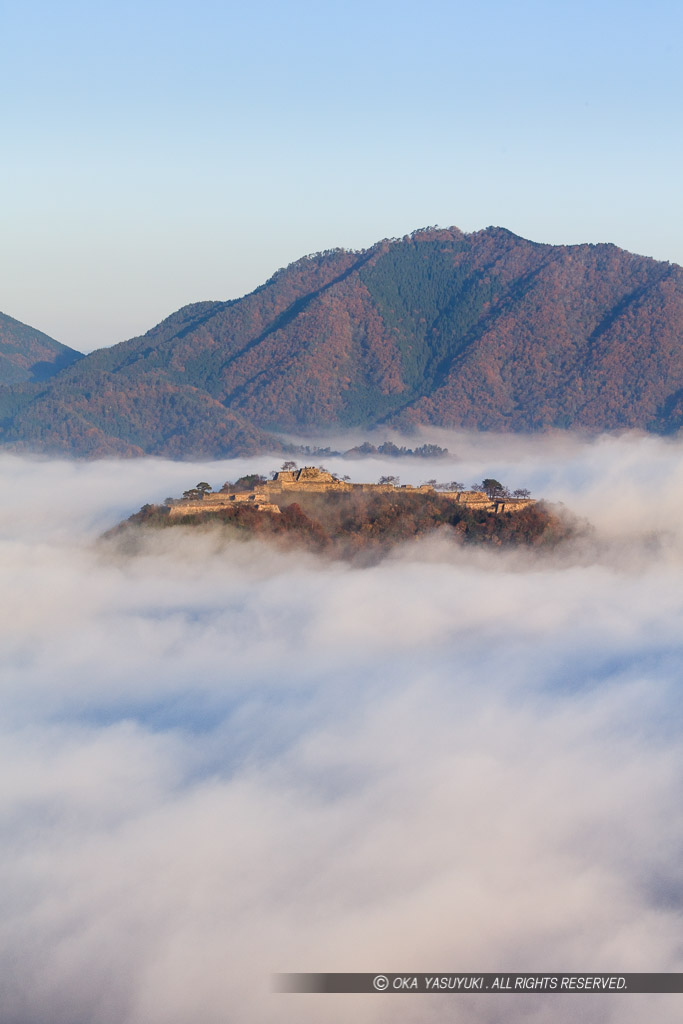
(484, 331)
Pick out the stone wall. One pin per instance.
(214, 502)
(311, 480)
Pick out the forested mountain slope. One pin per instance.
(27, 354)
(486, 330)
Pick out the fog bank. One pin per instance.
(221, 761)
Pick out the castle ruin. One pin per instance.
(286, 484)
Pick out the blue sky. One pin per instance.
(162, 153)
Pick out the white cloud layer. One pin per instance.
(219, 761)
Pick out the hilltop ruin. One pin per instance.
(288, 485)
(311, 509)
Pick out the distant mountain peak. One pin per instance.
(27, 354)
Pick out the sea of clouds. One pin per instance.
(220, 761)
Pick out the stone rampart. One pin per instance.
(215, 502)
(512, 504)
(311, 480)
(307, 486)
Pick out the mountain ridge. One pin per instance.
(485, 330)
(27, 354)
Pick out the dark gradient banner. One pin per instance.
(472, 983)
